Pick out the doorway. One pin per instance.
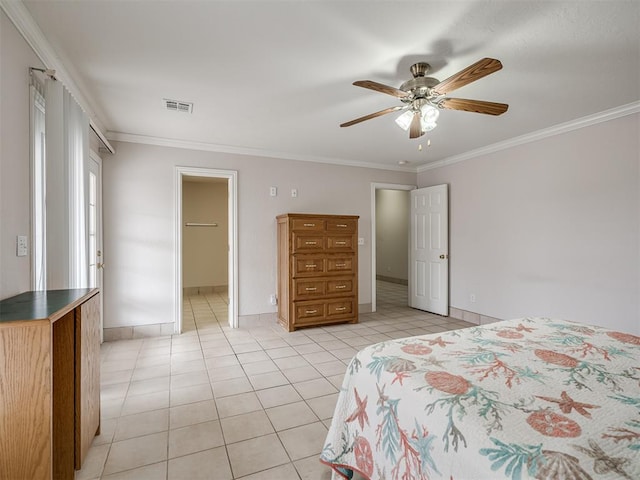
(94, 231)
(215, 232)
(381, 270)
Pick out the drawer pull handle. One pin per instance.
(340, 309)
(340, 265)
(311, 289)
(341, 243)
(340, 286)
(311, 311)
(310, 243)
(309, 224)
(311, 265)
(342, 225)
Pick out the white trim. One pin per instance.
(95, 157)
(374, 187)
(212, 147)
(26, 25)
(576, 124)
(232, 182)
(31, 32)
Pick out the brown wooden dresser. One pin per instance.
(317, 269)
(49, 382)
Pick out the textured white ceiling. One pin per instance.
(274, 77)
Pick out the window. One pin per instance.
(38, 188)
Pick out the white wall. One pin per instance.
(15, 59)
(204, 249)
(392, 233)
(550, 228)
(139, 248)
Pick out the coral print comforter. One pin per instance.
(520, 399)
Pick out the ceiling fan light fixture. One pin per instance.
(404, 120)
(429, 117)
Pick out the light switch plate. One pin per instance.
(21, 245)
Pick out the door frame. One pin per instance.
(232, 191)
(379, 186)
(95, 157)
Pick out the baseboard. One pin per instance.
(203, 290)
(257, 320)
(138, 331)
(399, 281)
(471, 317)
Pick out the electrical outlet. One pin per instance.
(472, 298)
(21, 246)
(294, 192)
(273, 191)
(360, 241)
(273, 300)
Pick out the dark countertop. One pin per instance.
(39, 305)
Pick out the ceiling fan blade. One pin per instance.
(478, 106)
(415, 130)
(373, 115)
(470, 74)
(379, 87)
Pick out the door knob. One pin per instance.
(443, 256)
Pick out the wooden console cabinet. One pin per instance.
(49, 382)
(317, 269)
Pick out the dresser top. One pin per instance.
(315, 215)
(42, 305)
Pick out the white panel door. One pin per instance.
(96, 256)
(428, 252)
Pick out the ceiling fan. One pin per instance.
(423, 96)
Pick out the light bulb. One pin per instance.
(404, 120)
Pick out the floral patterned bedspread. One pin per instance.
(519, 399)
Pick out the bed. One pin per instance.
(531, 398)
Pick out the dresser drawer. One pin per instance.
(308, 224)
(307, 243)
(303, 288)
(340, 265)
(340, 285)
(340, 308)
(342, 225)
(308, 266)
(340, 243)
(309, 312)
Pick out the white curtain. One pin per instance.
(67, 154)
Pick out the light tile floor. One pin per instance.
(221, 403)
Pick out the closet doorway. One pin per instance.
(206, 237)
(389, 225)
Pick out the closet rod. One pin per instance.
(193, 224)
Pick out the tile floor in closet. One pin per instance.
(220, 403)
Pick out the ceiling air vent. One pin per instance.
(178, 106)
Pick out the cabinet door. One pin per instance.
(87, 376)
(25, 401)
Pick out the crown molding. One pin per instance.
(30, 31)
(256, 152)
(561, 128)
